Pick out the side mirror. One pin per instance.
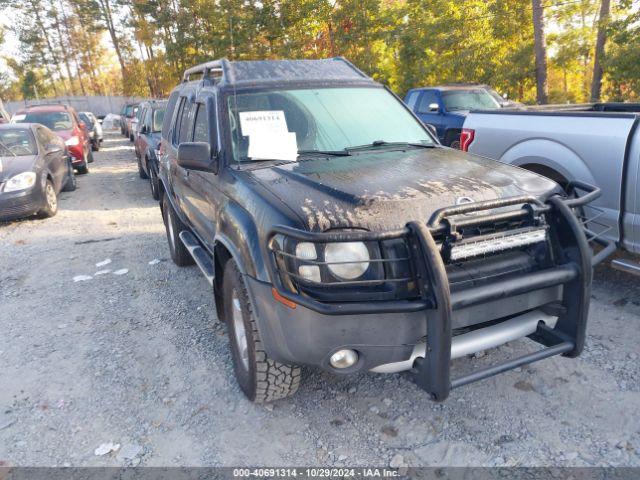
(432, 129)
(197, 156)
(434, 107)
(143, 129)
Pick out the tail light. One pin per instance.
(466, 137)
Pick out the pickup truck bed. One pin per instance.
(601, 148)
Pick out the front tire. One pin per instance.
(50, 201)
(141, 171)
(71, 184)
(154, 183)
(260, 378)
(179, 253)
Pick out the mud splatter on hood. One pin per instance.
(385, 190)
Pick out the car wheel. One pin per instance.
(95, 146)
(261, 378)
(141, 171)
(179, 253)
(131, 139)
(89, 157)
(50, 201)
(153, 182)
(71, 183)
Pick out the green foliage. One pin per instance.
(401, 43)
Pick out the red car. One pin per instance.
(65, 123)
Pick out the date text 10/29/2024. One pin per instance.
(315, 472)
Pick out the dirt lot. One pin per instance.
(138, 359)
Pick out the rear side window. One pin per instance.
(176, 128)
(201, 125)
(185, 122)
(428, 97)
(171, 105)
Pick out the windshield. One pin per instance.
(17, 142)
(56, 121)
(85, 118)
(129, 110)
(471, 99)
(282, 123)
(158, 117)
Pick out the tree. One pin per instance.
(540, 49)
(596, 82)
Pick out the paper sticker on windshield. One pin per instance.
(263, 122)
(18, 118)
(280, 146)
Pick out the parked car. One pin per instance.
(134, 127)
(34, 168)
(128, 112)
(95, 129)
(446, 107)
(598, 144)
(337, 232)
(65, 123)
(147, 142)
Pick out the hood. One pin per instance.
(386, 190)
(10, 166)
(458, 113)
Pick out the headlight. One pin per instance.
(21, 181)
(340, 255)
(72, 142)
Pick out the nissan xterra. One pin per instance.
(337, 232)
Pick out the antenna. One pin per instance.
(236, 140)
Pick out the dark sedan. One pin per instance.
(34, 168)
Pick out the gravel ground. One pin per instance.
(139, 360)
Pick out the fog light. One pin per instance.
(343, 359)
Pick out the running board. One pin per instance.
(626, 266)
(200, 256)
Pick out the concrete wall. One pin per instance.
(97, 105)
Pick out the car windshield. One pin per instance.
(158, 117)
(86, 119)
(471, 99)
(17, 142)
(280, 124)
(129, 110)
(56, 121)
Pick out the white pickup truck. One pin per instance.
(596, 144)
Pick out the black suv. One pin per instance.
(337, 232)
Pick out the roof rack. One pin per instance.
(232, 72)
(217, 67)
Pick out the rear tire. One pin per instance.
(179, 253)
(50, 201)
(95, 146)
(260, 378)
(83, 170)
(90, 156)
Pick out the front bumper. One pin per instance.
(391, 332)
(21, 203)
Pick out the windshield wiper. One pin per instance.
(247, 160)
(332, 153)
(383, 143)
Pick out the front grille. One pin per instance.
(497, 240)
